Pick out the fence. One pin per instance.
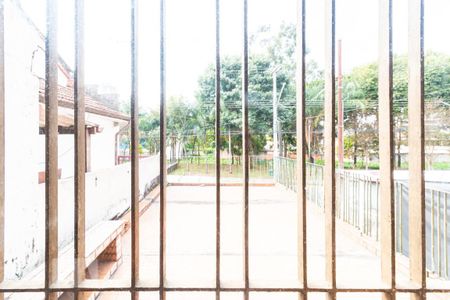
(121, 159)
(260, 167)
(358, 204)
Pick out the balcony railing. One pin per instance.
(358, 204)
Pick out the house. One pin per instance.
(25, 149)
(102, 127)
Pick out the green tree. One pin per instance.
(361, 100)
(260, 100)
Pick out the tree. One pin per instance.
(361, 99)
(149, 131)
(360, 96)
(260, 100)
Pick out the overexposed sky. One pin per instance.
(191, 36)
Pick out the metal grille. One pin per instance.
(417, 285)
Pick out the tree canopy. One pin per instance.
(190, 124)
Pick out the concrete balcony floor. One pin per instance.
(273, 245)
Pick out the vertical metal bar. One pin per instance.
(162, 155)
(445, 236)
(365, 206)
(134, 152)
(330, 129)
(369, 207)
(51, 149)
(432, 229)
(366, 180)
(218, 144)
(80, 151)
(316, 186)
(378, 211)
(439, 233)
(400, 215)
(366, 195)
(301, 155)
(340, 195)
(416, 141)
(354, 211)
(245, 144)
(2, 142)
(346, 198)
(357, 201)
(350, 189)
(386, 133)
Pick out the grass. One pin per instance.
(205, 167)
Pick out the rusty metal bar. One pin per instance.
(51, 149)
(80, 152)
(162, 154)
(301, 140)
(330, 129)
(134, 152)
(2, 142)
(416, 141)
(386, 132)
(245, 145)
(218, 144)
(108, 286)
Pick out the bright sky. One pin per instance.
(191, 36)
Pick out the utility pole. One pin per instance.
(340, 110)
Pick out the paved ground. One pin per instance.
(273, 245)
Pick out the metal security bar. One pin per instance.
(2, 142)
(80, 154)
(218, 143)
(162, 157)
(416, 143)
(301, 166)
(51, 150)
(386, 130)
(245, 149)
(297, 179)
(329, 151)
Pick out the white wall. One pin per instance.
(108, 194)
(103, 154)
(24, 216)
(66, 151)
(102, 147)
(24, 231)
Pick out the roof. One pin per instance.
(66, 99)
(65, 119)
(66, 93)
